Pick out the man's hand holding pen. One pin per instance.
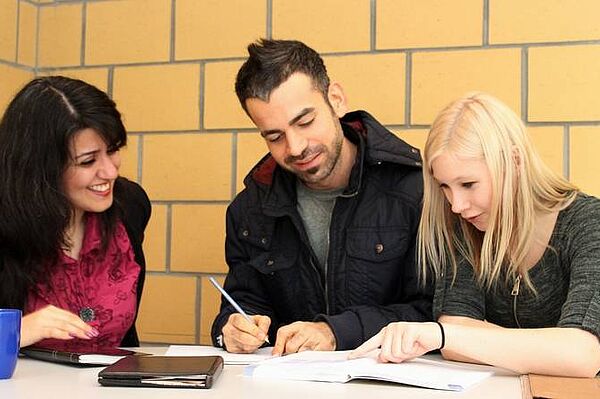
(243, 336)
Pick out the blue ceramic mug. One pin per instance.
(10, 333)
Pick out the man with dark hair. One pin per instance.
(321, 242)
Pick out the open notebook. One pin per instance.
(335, 367)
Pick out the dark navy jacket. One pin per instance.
(372, 277)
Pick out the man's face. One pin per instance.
(302, 129)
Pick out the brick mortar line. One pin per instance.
(485, 29)
(83, 32)
(373, 26)
(234, 165)
(172, 30)
(17, 26)
(338, 54)
(37, 41)
(140, 155)
(110, 76)
(524, 84)
(238, 131)
(23, 67)
(408, 89)
(186, 274)
(269, 19)
(194, 132)
(168, 233)
(68, 2)
(191, 202)
(566, 152)
(198, 310)
(201, 95)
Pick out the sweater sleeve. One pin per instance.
(459, 295)
(582, 306)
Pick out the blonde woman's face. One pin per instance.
(467, 186)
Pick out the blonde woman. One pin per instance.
(514, 250)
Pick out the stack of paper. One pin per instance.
(334, 367)
(229, 358)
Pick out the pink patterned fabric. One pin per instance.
(105, 283)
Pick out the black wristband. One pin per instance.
(443, 335)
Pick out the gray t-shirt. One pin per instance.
(567, 280)
(315, 208)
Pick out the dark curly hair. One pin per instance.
(35, 134)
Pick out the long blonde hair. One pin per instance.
(479, 126)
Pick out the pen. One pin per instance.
(233, 303)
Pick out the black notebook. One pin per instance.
(163, 371)
(101, 357)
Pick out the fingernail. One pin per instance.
(93, 333)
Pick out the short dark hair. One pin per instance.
(272, 62)
(36, 132)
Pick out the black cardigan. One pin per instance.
(134, 209)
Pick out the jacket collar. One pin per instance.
(375, 145)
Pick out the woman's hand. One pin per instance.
(402, 341)
(53, 322)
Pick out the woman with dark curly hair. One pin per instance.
(71, 229)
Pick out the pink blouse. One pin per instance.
(99, 287)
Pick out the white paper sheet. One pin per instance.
(229, 358)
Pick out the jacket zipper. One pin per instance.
(325, 297)
(300, 227)
(515, 293)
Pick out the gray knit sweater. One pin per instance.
(567, 280)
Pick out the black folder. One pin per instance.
(163, 372)
(98, 357)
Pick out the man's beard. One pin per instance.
(323, 171)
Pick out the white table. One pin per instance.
(36, 379)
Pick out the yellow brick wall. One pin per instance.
(170, 65)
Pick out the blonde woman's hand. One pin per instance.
(53, 322)
(402, 341)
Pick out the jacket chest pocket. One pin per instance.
(376, 258)
(376, 245)
(275, 264)
(266, 254)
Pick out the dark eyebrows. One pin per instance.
(292, 121)
(301, 115)
(87, 153)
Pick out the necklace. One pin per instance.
(87, 314)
